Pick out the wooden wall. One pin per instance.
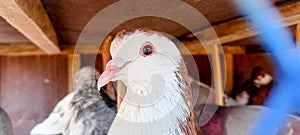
(203, 67)
(30, 87)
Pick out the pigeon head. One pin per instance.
(158, 96)
(86, 77)
(139, 54)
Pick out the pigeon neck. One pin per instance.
(166, 109)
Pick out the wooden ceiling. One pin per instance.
(69, 17)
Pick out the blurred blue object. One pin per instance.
(278, 41)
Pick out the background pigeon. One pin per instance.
(54, 123)
(5, 123)
(88, 114)
(238, 120)
(71, 107)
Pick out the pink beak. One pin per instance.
(112, 68)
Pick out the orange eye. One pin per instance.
(147, 49)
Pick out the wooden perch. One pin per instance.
(218, 75)
(30, 18)
(74, 65)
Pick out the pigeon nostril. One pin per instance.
(110, 69)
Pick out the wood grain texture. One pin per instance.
(240, 28)
(30, 19)
(9, 35)
(30, 87)
(30, 49)
(74, 64)
(70, 20)
(69, 17)
(218, 75)
(229, 73)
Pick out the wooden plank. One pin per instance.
(297, 34)
(30, 18)
(29, 49)
(229, 72)
(238, 29)
(217, 73)
(197, 49)
(20, 49)
(10, 35)
(62, 76)
(81, 49)
(35, 83)
(74, 64)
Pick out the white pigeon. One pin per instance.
(5, 123)
(54, 123)
(158, 98)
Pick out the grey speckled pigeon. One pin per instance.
(54, 123)
(89, 114)
(5, 123)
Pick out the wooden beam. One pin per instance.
(297, 34)
(81, 49)
(217, 74)
(238, 29)
(30, 18)
(21, 49)
(229, 73)
(198, 49)
(30, 49)
(74, 64)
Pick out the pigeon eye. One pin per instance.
(147, 49)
